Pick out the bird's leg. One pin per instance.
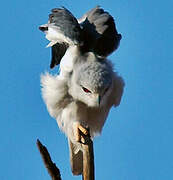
(79, 130)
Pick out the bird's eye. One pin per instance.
(86, 90)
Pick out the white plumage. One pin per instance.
(68, 103)
(68, 60)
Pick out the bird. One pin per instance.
(69, 37)
(82, 100)
(87, 87)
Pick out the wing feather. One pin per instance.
(96, 33)
(62, 30)
(58, 51)
(100, 32)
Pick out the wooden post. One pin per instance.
(88, 159)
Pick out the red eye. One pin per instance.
(86, 90)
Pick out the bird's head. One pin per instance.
(91, 82)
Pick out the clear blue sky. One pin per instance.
(137, 140)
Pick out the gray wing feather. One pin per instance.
(99, 28)
(67, 24)
(96, 32)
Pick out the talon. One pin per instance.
(78, 129)
(82, 140)
(83, 130)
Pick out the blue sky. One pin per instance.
(136, 143)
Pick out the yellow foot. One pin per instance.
(79, 131)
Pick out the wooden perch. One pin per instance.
(51, 167)
(88, 160)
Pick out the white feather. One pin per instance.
(66, 110)
(54, 34)
(51, 43)
(68, 60)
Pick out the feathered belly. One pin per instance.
(66, 111)
(94, 118)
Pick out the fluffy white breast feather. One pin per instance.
(67, 110)
(67, 102)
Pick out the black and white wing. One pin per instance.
(62, 30)
(94, 32)
(100, 32)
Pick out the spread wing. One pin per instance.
(100, 32)
(62, 30)
(95, 32)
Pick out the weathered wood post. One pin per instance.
(88, 160)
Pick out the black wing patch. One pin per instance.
(58, 51)
(100, 32)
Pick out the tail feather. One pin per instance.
(76, 159)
